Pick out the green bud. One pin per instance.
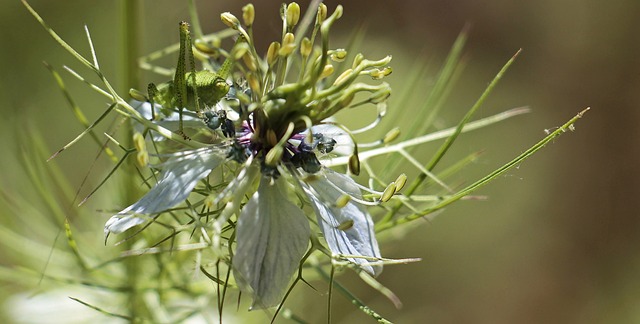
(288, 45)
(248, 15)
(305, 47)
(230, 20)
(322, 13)
(272, 52)
(292, 14)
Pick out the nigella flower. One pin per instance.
(277, 142)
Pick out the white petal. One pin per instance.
(272, 235)
(344, 142)
(179, 176)
(360, 238)
(169, 122)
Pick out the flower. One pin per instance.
(275, 132)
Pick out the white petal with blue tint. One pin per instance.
(344, 142)
(179, 176)
(272, 235)
(360, 238)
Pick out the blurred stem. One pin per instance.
(129, 39)
(129, 34)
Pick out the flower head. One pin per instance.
(275, 133)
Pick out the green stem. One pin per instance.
(449, 141)
(488, 178)
(129, 37)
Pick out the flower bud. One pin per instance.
(292, 14)
(288, 45)
(305, 47)
(248, 15)
(230, 20)
(322, 13)
(272, 52)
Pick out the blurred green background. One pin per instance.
(557, 240)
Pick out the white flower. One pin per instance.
(272, 233)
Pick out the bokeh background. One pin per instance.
(557, 239)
